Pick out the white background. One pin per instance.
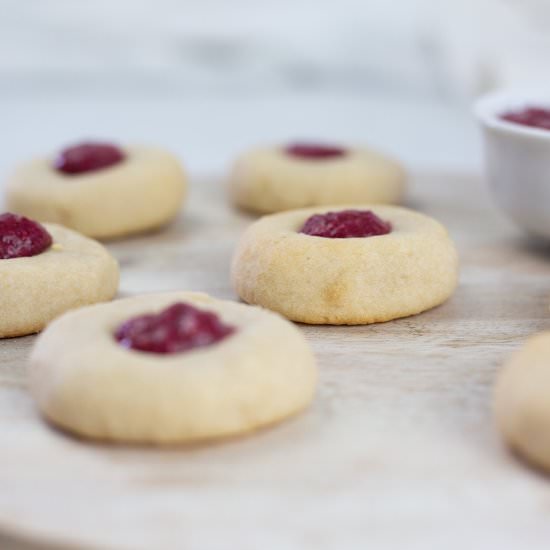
(208, 78)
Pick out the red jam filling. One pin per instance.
(536, 117)
(87, 157)
(314, 151)
(346, 224)
(179, 327)
(20, 237)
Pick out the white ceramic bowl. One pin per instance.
(517, 158)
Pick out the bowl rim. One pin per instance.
(489, 106)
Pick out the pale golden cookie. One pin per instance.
(143, 192)
(75, 271)
(521, 401)
(84, 381)
(270, 180)
(348, 281)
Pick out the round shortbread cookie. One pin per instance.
(142, 192)
(74, 271)
(84, 381)
(270, 180)
(349, 281)
(521, 404)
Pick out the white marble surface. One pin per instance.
(422, 48)
(213, 46)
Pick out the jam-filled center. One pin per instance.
(536, 117)
(88, 157)
(21, 237)
(314, 151)
(346, 224)
(180, 327)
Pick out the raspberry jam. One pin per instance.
(179, 327)
(20, 237)
(346, 224)
(314, 151)
(88, 157)
(536, 117)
